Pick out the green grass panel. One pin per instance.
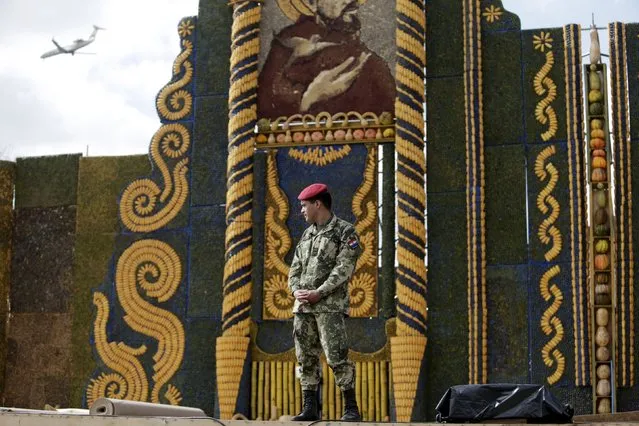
(502, 88)
(42, 259)
(46, 181)
(213, 41)
(444, 49)
(101, 181)
(446, 156)
(447, 353)
(506, 290)
(91, 268)
(505, 199)
(533, 63)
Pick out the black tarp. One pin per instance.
(477, 403)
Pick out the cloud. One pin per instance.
(106, 101)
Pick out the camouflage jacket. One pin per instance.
(324, 260)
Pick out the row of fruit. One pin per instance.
(361, 134)
(601, 242)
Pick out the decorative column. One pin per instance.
(408, 347)
(232, 347)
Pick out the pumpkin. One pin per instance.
(599, 163)
(602, 317)
(603, 371)
(598, 175)
(598, 133)
(602, 261)
(597, 143)
(602, 246)
(602, 278)
(596, 108)
(601, 216)
(599, 153)
(596, 123)
(602, 337)
(602, 354)
(602, 230)
(603, 407)
(603, 387)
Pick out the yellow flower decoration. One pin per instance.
(277, 298)
(173, 146)
(362, 294)
(492, 13)
(185, 28)
(542, 41)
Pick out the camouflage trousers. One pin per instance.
(322, 331)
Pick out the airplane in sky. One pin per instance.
(72, 48)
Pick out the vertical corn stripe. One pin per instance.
(576, 178)
(475, 211)
(233, 345)
(623, 201)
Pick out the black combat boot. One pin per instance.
(351, 412)
(309, 411)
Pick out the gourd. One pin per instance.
(603, 387)
(602, 317)
(602, 354)
(602, 246)
(596, 108)
(602, 337)
(596, 123)
(595, 82)
(597, 143)
(599, 153)
(603, 371)
(598, 133)
(604, 406)
(602, 229)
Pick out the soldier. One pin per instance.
(323, 264)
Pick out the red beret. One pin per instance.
(312, 191)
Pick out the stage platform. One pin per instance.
(53, 419)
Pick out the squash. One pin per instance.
(602, 278)
(602, 337)
(594, 80)
(596, 123)
(601, 198)
(602, 230)
(599, 153)
(599, 162)
(602, 354)
(597, 143)
(602, 317)
(601, 216)
(603, 371)
(596, 108)
(603, 407)
(594, 96)
(598, 133)
(598, 175)
(602, 246)
(603, 387)
(602, 262)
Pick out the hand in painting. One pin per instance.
(333, 82)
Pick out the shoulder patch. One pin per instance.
(353, 243)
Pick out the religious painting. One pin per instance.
(326, 56)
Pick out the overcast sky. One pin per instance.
(65, 103)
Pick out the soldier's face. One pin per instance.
(310, 211)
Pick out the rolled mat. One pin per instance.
(121, 407)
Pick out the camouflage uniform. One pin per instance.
(324, 260)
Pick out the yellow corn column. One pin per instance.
(284, 409)
(273, 401)
(339, 405)
(298, 396)
(278, 389)
(330, 383)
(358, 384)
(378, 392)
(364, 406)
(324, 391)
(371, 391)
(253, 390)
(291, 388)
(260, 391)
(384, 391)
